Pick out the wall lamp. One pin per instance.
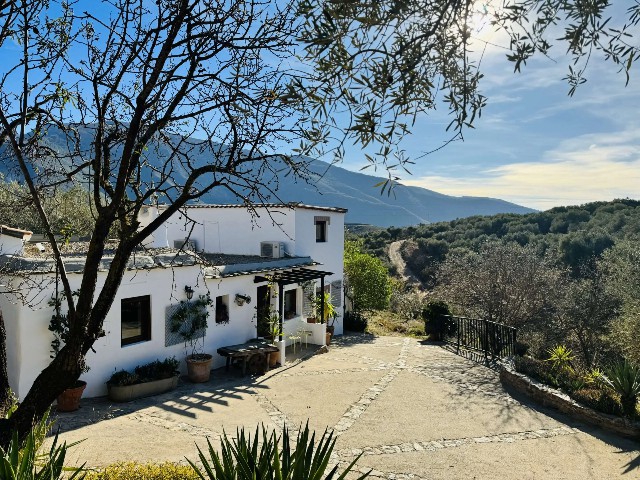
(188, 292)
(242, 299)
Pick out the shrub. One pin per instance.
(156, 370)
(145, 471)
(434, 324)
(598, 399)
(123, 378)
(355, 322)
(521, 348)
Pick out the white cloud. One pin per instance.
(582, 169)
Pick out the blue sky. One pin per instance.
(534, 145)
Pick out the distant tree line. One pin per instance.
(569, 275)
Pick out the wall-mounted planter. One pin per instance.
(127, 393)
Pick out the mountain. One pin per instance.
(334, 186)
(405, 206)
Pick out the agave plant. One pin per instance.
(246, 458)
(624, 378)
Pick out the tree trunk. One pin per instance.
(63, 371)
(5, 397)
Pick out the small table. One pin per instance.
(246, 351)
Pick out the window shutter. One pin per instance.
(336, 293)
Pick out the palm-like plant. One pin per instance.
(624, 378)
(244, 458)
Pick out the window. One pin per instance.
(290, 307)
(135, 316)
(321, 228)
(222, 309)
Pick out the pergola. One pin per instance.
(296, 275)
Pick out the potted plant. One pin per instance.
(69, 400)
(189, 320)
(149, 379)
(274, 333)
(328, 316)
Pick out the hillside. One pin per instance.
(572, 234)
(333, 186)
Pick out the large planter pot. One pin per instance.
(126, 393)
(199, 367)
(69, 400)
(274, 357)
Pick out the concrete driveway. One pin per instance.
(415, 410)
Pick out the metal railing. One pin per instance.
(491, 338)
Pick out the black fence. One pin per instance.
(491, 338)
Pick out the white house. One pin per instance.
(241, 257)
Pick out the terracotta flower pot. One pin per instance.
(328, 338)
(69, 400)
(311, 320)
(274, 357)
(199, 367)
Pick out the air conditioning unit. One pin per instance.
(272, 249)
(185, 244)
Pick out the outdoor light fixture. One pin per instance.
(241, 299)
(188, 291)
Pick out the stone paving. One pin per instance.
(410, 409)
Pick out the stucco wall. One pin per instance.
(10, 245)
(29, 341)
(232, 230)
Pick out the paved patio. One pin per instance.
(415, 410)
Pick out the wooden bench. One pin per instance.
(254, 353)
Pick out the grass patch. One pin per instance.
(389, 323)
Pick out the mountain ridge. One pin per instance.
(327, 186)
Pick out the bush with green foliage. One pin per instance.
(144, 471)
(367, 283)
(601, 400)
(156, 370)
(355, 322)
(433, 315)
(267, 456)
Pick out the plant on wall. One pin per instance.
(189, 320)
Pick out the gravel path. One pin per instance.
(405, 272)
(413, 410)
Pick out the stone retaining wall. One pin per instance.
(550, 397)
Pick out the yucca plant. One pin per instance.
(246, 458)
(561, 358)
(22, 461)
(624, 378)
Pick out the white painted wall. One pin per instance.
(11, 245)
(29, 342)
(233, 230)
